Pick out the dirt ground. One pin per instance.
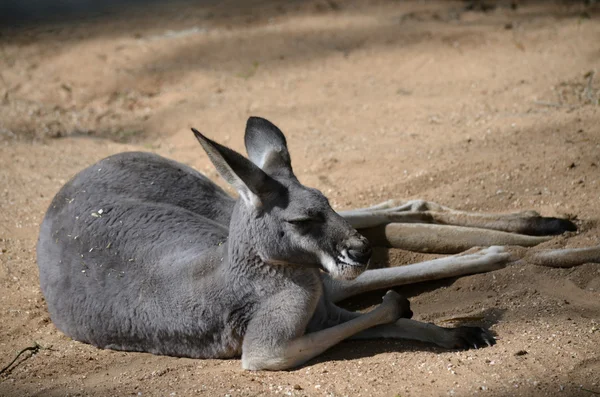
(486, 110)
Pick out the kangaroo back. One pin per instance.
(113, 240)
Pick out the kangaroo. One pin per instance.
(141, 253)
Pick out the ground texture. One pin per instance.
(485, 109)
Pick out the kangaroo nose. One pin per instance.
(361, 253)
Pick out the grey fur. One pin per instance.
(142, 253)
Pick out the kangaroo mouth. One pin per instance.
(344, 260)
(341, 266)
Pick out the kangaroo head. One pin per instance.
(285, 222)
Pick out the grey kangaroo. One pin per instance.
(141, 253)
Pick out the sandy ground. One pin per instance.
(485, 111)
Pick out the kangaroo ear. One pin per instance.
(250, 181)
(267, 147)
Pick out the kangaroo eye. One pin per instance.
(307, 220)
(300, 221)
